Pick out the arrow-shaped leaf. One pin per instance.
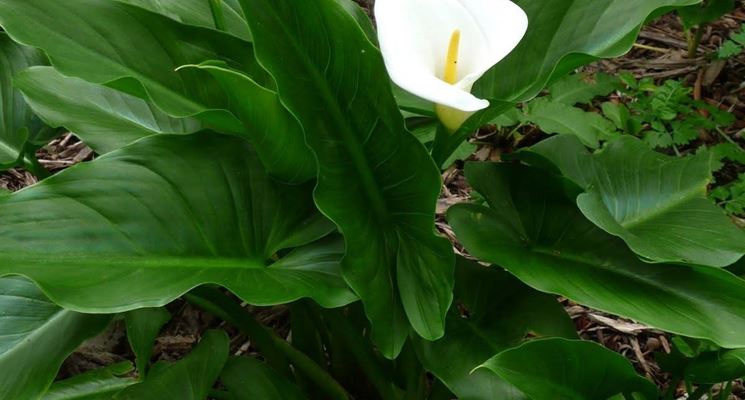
(375, 180)
(140, 226)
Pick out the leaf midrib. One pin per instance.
(37, 331)
(142, 262)
(349, 139)
(196, 108)
(644, 217)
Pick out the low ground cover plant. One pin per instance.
(283, 153)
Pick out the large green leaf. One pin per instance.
(656, 203)
(133, 50)
(35, 338)
(534, 229)
(582, 88)
(247, 378)
(720, 367)
(103, 118)
(143, 326)
(140, 226)
(15, 116)
(705, 13)
(277, 135)
(99, 384)
(552, 369)
(198, 12)
(556, 117)
(375, 180)
(708, 367)
(188, 379)
(500, 313)
(562, 35)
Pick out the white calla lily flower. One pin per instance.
(437, 49)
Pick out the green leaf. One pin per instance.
(198, 13)
(376, 181)
(619, 114)
(413, 104)
(579, 35)
(188, 379)
(143, 326)
(15, 116)
(656, 203)
(712, 367)
(461, 153)
(275, 133)
(140, 226)
(36, 336)
(99, 384)
(447, 142)
(509, 118)
(501, 313)
(562, 36)
(247, 378)
(103, 118)
(93, 40)
(555, 117)
(582, 88)
(708, 11)
(534, 230)
(729, 49)
(551, 369)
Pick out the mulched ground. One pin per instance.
(660, 54)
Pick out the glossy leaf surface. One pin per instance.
(190, 378)
(274, 132)
(104, 118)
(533, 229)
(247, 378)
(500, 312)
(143, 326)
(569, 369)
(35, 338)
(93, 40)
(562, 35)
(99, 384)
(16, 118)
(656, 203)
(140, 226)
(375, 180)
(579, 32)
(198, 13)
(557, 117)
(715, 367)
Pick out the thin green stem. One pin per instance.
(271, 346)
(675, 147)
(408, 365)
(31, 164)
(364, 355)
(215, 302)
(700, 392)
(689, 386)
(217, 14)
(728, 138)
(725, 391)
(670, 393)
(694, 40)
(511, 133)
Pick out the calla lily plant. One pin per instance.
(437, 49)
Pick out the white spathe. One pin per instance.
(415, 36)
